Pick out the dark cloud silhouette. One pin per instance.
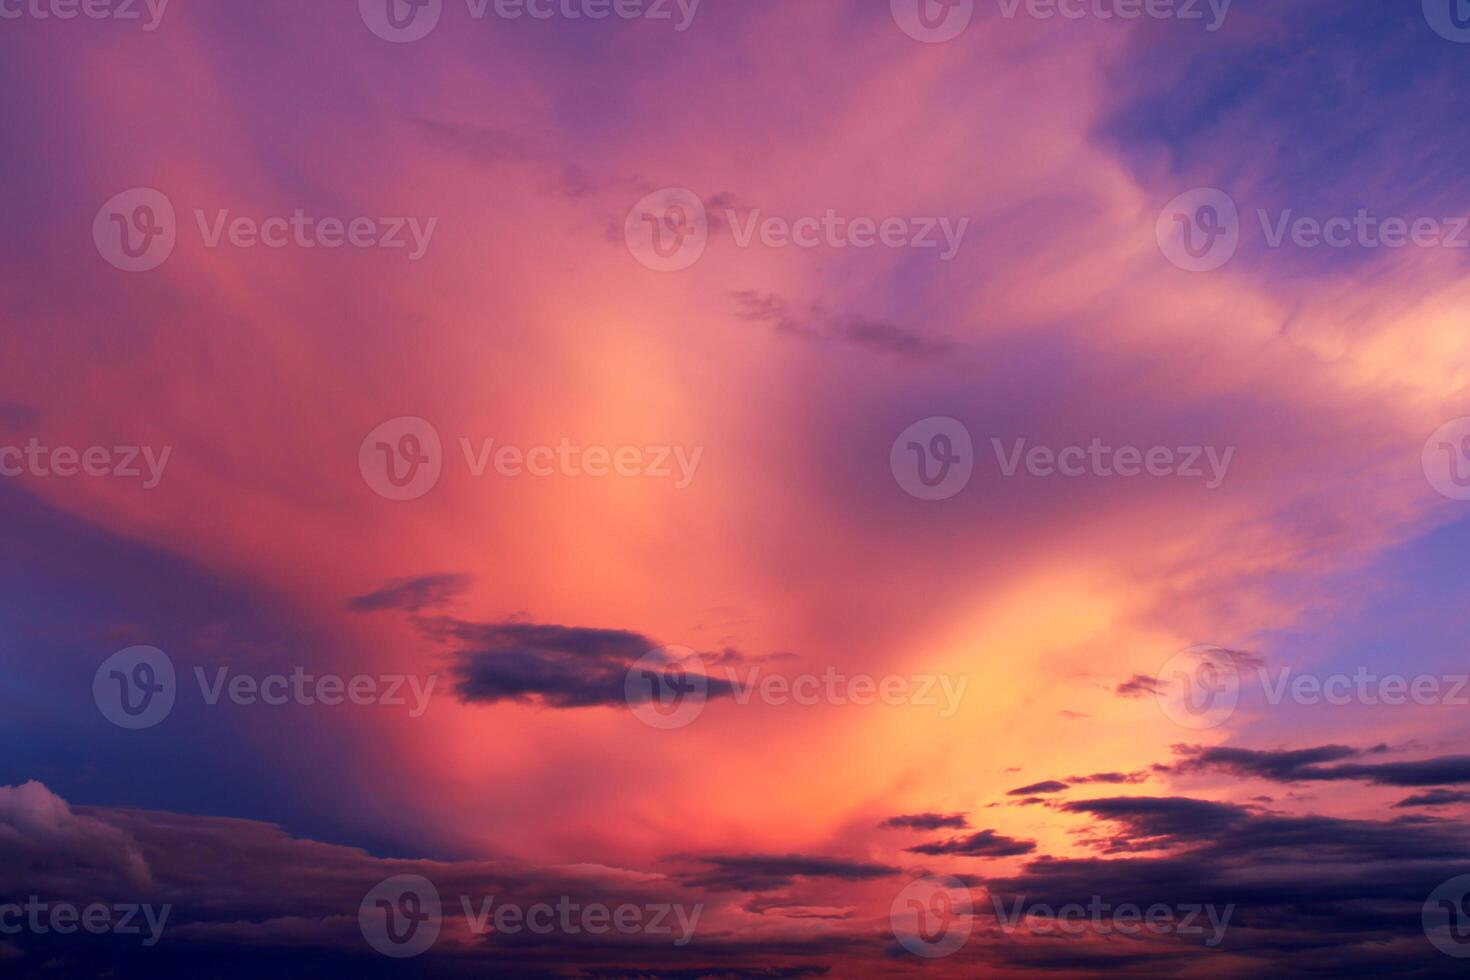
(1306, 765)
(1434, 797)
(765, 872)
(1138, 686)
(926, 821)
(985, 843)
(1050, 786)
(412, 594)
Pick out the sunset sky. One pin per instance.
(931, 401)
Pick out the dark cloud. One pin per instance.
(1434, 797)
(1306, 765)
(412, 594)
(766, 872)
(1050, 786)
(1138, 686)
(926, 821)
(985, 843)
(559, 666)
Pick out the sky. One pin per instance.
(673, 489)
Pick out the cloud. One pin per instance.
(1050, 786)
(41, 838)
(985, 843)
(1139, 685)
(1434, 797)
(1304, 765)
(814, 323)
(761, 872)
(926, 821)
(412, 594)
